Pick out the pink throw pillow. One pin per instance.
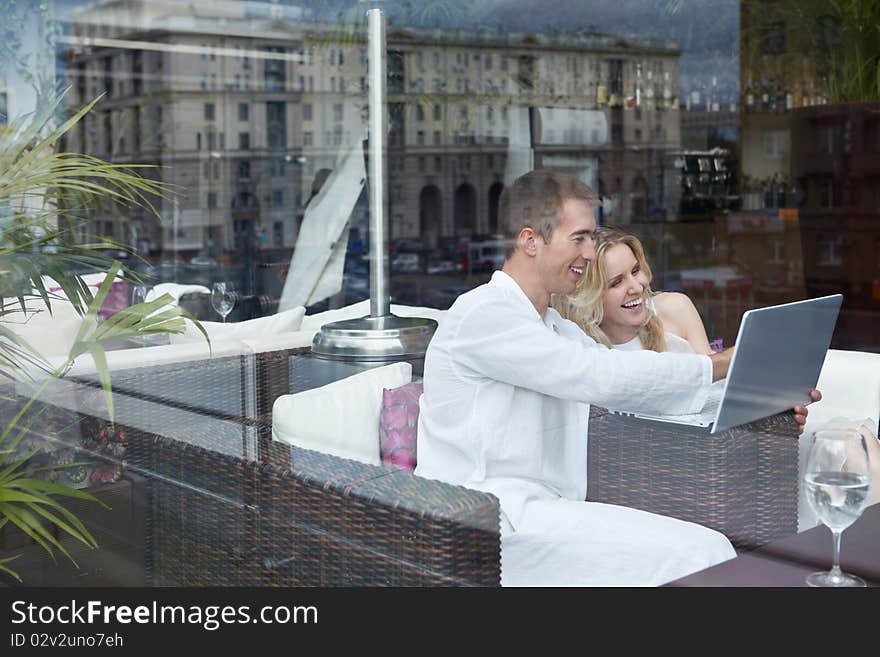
(398, 423)
(116, 299)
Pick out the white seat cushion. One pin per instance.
(341, 418)
(287, 321)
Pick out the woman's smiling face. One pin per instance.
(623, 301)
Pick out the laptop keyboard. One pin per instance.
(711, 405)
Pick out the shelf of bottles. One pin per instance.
(646, 91)
(772, 96)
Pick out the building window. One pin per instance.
(437, 138)
(773, 39)
(420, 138)
(277, 198)
(307, 138)
(435, 58)
(826, 194)
(420, 113)
(438, 164)
(338, 112)
(244, 141)
(209, 111)
(307, 112)
(777, 252)
(775, 144)
(243, 111)
(829, 250)
(198, 141)
(438, 113)
(212, 200)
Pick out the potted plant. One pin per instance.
(40, 189)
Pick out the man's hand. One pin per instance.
(800, 411)
(721, 363)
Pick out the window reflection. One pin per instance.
(699, 125)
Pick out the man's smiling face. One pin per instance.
(562, 260)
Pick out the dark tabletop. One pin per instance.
(787, 561)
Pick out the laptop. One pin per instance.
(777, 359)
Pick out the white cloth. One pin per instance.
(674, 344)
(568, 543)
(319, 257)
(506, 401)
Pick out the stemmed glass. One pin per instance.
(139, 293)
(223, 298)
(837, 479)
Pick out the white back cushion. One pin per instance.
(287, 321)
(850, 386)
(51, 335)
(355, 310)
(341, 418)
(362, 309)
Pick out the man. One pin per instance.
(507, 388)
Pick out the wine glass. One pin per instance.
(138, 293)
(837, 479)
(223, 298)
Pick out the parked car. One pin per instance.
(408, 246)
(443, 267)
(405, 263)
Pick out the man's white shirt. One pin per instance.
(506, 396)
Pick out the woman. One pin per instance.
(615, 305)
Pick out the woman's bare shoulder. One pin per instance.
(672, 303)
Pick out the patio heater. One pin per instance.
(380, 337)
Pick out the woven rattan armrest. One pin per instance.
(302, 518)
(742, 482)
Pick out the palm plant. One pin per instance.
(41, 187)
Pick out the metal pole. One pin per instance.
(381, 337)
(380, 295)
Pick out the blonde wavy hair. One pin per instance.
(585, 308)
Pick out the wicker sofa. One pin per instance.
(220, 503)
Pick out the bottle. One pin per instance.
(638, 85)
(630, 95)
(667, 91)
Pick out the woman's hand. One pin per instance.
(800, 411)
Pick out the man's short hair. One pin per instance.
(535, 201)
